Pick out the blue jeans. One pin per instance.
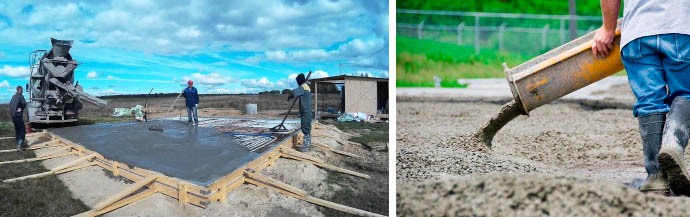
(190, 111)
(658, 69)
(19, 127)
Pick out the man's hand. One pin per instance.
(603, 41)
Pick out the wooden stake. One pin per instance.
(276, 184)
(327, 147)
(124, 193)
(121, 203)
(35, 159)
(54, 170)
(302, 195)
(293, 155)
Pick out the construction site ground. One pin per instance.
(569, 157)
(74, 192)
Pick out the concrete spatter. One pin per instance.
(196, 154)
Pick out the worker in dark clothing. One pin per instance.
(304, 94)
(17, 106)
(191, 96)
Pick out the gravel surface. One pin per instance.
(443, 171)
(532, 195)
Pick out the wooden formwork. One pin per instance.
(187, 193)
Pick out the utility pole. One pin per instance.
(573, 21)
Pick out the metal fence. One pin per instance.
(528, 34)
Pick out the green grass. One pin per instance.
(45, 196)
(418, 61)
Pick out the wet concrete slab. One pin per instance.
(199, 155)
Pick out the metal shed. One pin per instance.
(359, 94)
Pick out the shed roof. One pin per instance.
(347, 77)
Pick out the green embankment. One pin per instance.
(418, 61)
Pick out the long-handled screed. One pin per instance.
(146, 106)
(281, 126)
(157, 126)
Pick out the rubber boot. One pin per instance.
(20, 143)
(673, 142)
(651, 129)
(306, 144)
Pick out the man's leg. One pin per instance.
(20, 131)
(648, 83)
(676, 49)
(196, 116)
(305, 124)
(189, 114)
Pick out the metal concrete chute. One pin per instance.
(561, 71)
(53, 94)
(551, 76)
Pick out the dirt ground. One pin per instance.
(440, 170)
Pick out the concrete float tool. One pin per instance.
(157, 126)
(280, 127)
(550, 76)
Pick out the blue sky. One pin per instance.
(131, 46)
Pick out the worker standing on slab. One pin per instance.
(191, 96)
(304, 94)
(17, 106)
(655, 50)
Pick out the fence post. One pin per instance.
(562, 30)
(419, 30)
(543, 36)
(476, 34)
(500, 36)
(460, 32)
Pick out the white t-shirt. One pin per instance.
(646, 17)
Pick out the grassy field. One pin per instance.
(46, 196)
(418, 61)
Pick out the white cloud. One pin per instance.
(17, 72)
(146, 25)
(110, 77)
(318, 74)
(188, 32)
(263, 83)
(92, 75)
(357, 52)
(4, 84)
(211, 79)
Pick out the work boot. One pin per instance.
(306, 144)
(20, 143)
(651, 129)
(673, 142)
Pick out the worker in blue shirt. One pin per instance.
(192, 100)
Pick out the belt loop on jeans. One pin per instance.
(657, 44)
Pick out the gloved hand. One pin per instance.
(290, 97)
(196, 105)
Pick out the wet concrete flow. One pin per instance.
(196, 154)
(507, 113)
